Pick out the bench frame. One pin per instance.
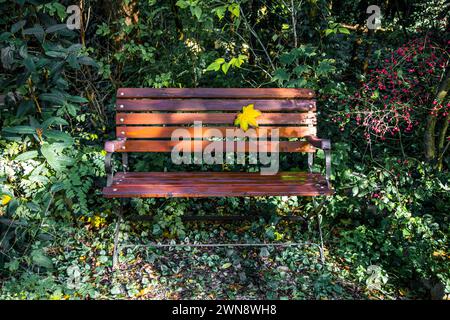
(112, 147)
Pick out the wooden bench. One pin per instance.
(146, 119)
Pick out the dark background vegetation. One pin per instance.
(382, 99)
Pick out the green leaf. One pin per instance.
(234, 9)
(56, 54)
(56, 27)
(76, 47)
(23, 51)
(57, 187)
(215, 66)
(344, 30)
(301, 69)
(56, 161)
(18, 25)
(87, 61)
(29, 64)
(24, 107)
(375, 95)
(54, 98)
(58, 136)
(328, 32)
(77, 99)
(225, 67)
(264, 252)
(280, 75)
(226, 265)
(36, 31)
(288, 58)
(73, 61)
(182, 4)
(54, 121)
(41, 260)
(237, 62)
(324, 68)
(197, 11)
(20, 130)
(220, 11)
(27, 155)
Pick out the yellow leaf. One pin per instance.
(247, 117)
(5, 199)
(439, 253)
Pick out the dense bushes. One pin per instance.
(386, 229)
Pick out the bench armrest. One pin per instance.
(114, 145)
(110, 148)
(325, 145)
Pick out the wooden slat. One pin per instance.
(213, 191)
(208, 178)
(213, 118)
(206, 132)
(216, 184)
(218, 93)
(217, 175)
(213, 105)
(168, 146)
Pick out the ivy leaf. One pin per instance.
(299, 70)
(280, 75)
(324, 68)
(247, 117)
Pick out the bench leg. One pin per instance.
(116, 236)
(319, 224)
(318, 210)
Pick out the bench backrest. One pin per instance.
(146, 117)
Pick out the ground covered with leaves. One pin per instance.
(78, 265)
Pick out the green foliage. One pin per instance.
(386, 230)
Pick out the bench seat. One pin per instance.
(215, 184)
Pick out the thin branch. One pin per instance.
(257, 39)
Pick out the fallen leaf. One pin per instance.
(247, 117)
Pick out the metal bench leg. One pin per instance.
(116, 236)
(319, 223)
(319, 226)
